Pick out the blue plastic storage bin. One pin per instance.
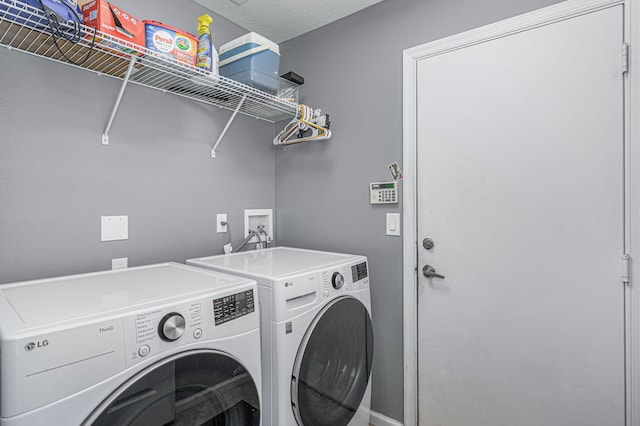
(252, 60)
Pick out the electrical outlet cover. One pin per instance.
(221, 217)
(121, 263)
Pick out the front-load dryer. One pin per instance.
(317, 339)
(165, 344)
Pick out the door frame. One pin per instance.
(411, 57)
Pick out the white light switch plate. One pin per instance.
(114, 228)
(393, 224)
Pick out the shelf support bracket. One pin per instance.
(224, 131)
(105, 134)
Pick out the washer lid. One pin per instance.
(70, 298)
(272, 263)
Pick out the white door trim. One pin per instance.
(411, 57)
(632, 144)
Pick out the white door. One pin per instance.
(520, 188)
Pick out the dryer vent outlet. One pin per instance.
(259, 219)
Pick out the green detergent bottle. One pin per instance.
(207, 57)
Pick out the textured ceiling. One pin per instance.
(281, 20)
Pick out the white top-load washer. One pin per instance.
(153, 345)
(317, 340)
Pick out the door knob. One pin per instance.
(429, 272)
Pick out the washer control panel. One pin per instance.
(151, 332)
(168, 326)
(231, 307)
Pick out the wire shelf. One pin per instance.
(25, 28)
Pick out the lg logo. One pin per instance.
(287, 284)
(33, 345)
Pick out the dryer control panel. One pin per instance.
(335, 280)
(298, 292)
(348, 277)
(359, 271)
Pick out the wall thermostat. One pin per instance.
(383, 193)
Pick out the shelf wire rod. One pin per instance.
(34, 40)
(4, 34)
(105, 134)
(76, 53)
(14, 38)
(48, 52)
(18, 39)
(141, 76)
(155, 78)
(93, 59)
(150, 76)
(105, 66)
(168, 81)
(118, 68)
(213, 150)
(101, 64)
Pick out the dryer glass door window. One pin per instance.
(192, 388)
(333, 366)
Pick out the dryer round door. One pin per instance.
(190, 388)
(333, 365)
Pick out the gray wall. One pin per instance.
(353, 71)
(56, 179)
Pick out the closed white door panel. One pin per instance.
(520, 186)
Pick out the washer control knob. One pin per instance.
(337, 280)
(197, 333)
(144, 350)
(171, 327)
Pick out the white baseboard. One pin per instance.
(377, 419)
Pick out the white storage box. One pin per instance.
(252, 60)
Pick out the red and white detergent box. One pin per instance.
(171, 42)
(113, 21)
